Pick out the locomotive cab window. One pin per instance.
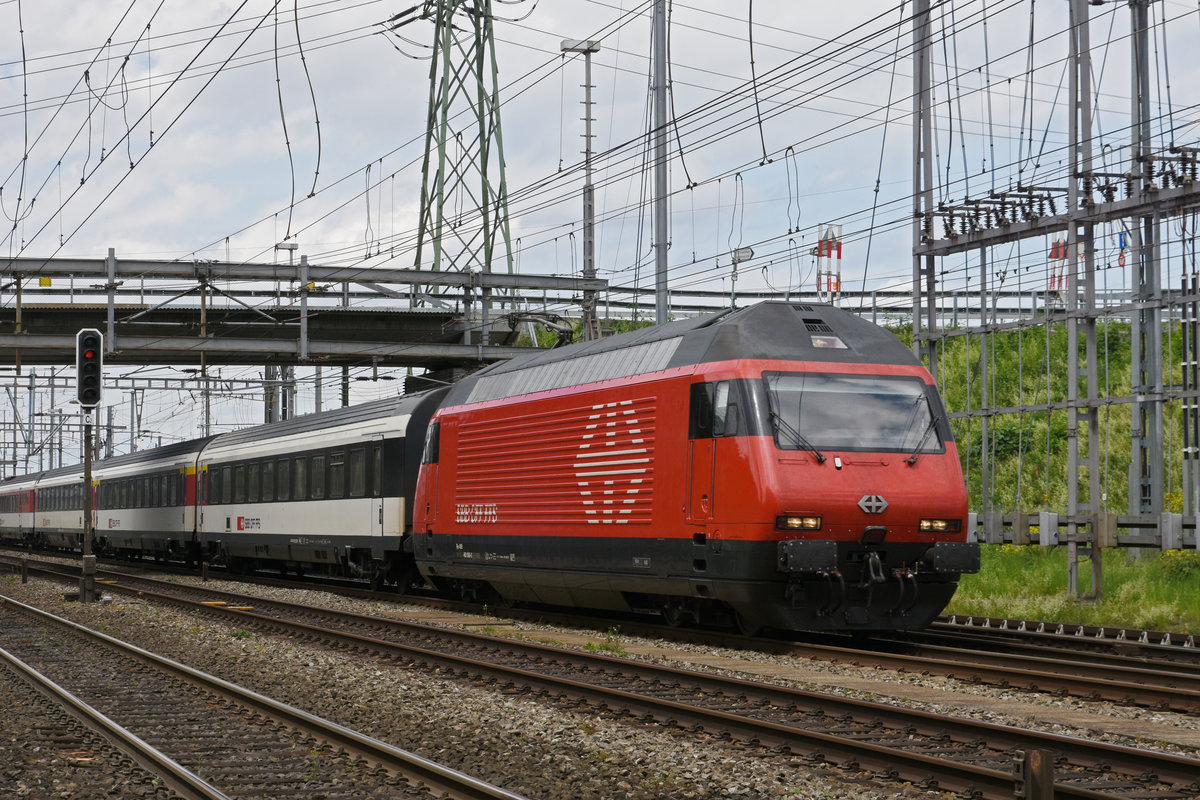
(880, 413)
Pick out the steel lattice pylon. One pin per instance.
(464, 197)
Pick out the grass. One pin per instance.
(1159, 591)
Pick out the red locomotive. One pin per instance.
(785, 465)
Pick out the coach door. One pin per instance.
(376, 505)
(701, 454)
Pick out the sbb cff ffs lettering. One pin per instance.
(89, 366)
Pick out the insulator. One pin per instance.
(1128, 186)
(1053, 207)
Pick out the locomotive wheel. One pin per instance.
(745, 626)
(674, 614)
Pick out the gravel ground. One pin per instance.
(543, 751)
(45, 753)
(524, 745)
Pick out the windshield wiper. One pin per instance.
(781, 424)
(933, 420)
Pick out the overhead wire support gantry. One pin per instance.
(1159, 182)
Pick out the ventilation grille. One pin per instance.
(817, 326)
(807, 309)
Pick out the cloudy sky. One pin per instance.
(180, 130)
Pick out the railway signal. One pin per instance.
(89, 366)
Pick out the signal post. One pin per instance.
(89, 371)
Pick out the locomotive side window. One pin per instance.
(725, 410)
(358, 472)
(714, 410)
(337, 475)
(432, 444)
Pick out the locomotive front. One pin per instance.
(859, 468)
(872, 505)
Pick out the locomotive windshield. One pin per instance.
(852, 412)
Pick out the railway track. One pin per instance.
(930, 750)
(1135, 671)
(204, 737)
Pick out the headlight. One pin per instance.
(941, 525)
(797, 523)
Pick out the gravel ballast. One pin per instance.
(546, 750)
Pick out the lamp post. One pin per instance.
(591, 327)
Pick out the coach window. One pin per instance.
(212, 478)
(318, 478)
(252, 482)
(153, 496)
(358, 472)
(226, 484)
(239, 484)
(300, 478)
(337, 474)
(285, 479)
(377, 472)
(268, 481)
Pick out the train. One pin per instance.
(784, 465)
